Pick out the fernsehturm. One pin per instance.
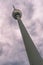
(32, 52)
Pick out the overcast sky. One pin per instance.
(12, 49)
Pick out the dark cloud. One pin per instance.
(1, 51)
(14, 63)
(30, 9)
(32, 29)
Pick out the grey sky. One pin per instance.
(12, 50)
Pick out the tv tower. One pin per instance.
(32, 52)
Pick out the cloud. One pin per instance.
(12, 49)
(14, 63)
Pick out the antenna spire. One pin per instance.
(14, 7)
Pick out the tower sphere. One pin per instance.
(16, 13)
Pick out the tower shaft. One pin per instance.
(32, 52)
